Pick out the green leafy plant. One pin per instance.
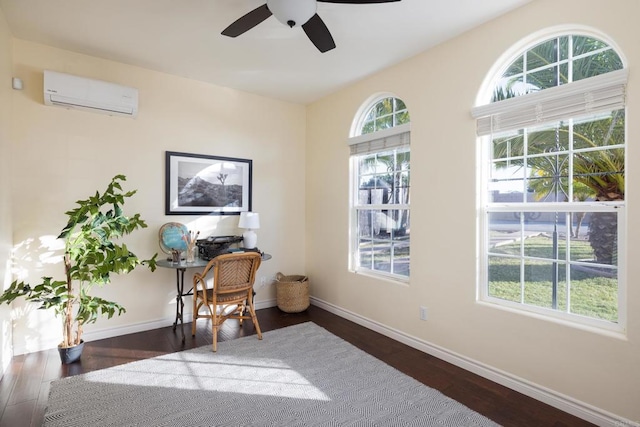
(90, 257)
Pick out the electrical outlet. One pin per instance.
(263, 281)
(423, 313)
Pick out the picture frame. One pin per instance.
(199, 184)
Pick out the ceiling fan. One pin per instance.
(294, 13)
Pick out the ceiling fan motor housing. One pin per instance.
(293, 13)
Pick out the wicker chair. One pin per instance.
(232, 294)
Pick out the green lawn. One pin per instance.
(593, 292)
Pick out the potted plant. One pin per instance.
(90, 257)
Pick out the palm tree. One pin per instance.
(598, 171)
(581, 193)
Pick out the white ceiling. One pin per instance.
(182, 37)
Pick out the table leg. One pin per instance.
(179, 300)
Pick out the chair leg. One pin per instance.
(241, 312)
(214, 327)
(195, 314)
(254, 319)
(215, 324)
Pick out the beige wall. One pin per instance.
(439, 87)
(65, 155)
(5, 186)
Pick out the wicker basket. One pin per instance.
(292, 293)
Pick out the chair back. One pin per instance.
(233, 276)
(236, 272)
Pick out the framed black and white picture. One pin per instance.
(198, 184)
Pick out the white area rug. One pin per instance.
(297, 376)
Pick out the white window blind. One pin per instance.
(387, 139)
(602, 93)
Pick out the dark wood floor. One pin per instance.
(25, 386)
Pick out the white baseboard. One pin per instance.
(51, 343)
(123, 330)
(558, 400)
(147, 326)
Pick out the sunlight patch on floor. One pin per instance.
(214, 373)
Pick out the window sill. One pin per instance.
(615, 331)
(384, 277)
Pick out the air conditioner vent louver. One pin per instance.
(71, 91)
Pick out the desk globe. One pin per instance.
(171, 237)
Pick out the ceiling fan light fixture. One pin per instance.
(293, 13)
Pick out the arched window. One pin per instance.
(556, 62)
(384, 114)
(553, 175)
(380, 176)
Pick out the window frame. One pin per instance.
(381, 141)
(486, 206)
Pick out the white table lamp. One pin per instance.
(250, 221)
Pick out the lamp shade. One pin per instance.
(249, 220)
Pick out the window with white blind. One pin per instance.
(553, 183)
(380, 175)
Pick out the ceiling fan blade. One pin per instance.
(357, 1)
(319, 34)
(248, 21)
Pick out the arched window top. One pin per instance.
(568, 74)
(380, 114)
(556, 62)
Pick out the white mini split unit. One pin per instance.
(66, 90)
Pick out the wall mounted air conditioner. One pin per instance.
(70, 91)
